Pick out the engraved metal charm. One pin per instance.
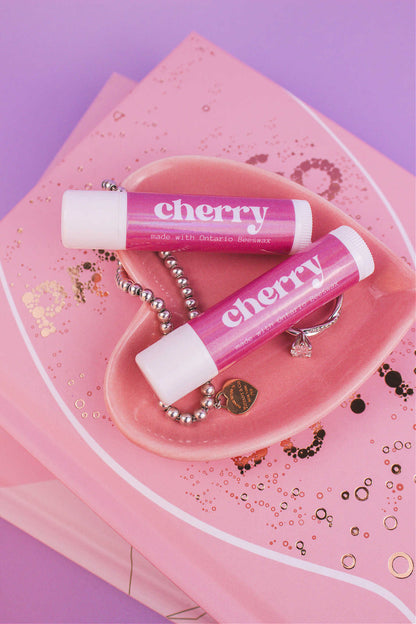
(236, 396)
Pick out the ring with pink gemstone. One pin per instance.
(301, 347)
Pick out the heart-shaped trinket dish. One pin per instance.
(292, 392)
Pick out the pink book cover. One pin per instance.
(242, 536)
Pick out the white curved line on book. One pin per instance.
(373, 183)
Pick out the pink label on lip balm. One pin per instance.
(276, 300)
(206, 222)
(252, 315)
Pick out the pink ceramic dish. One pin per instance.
(293, 393)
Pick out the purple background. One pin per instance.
(353, 60)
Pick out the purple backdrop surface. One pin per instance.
(353, 60)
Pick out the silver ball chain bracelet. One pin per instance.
(209, 400)
(301, 347)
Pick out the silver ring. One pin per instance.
(302, 347)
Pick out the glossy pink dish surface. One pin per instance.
(293, 393)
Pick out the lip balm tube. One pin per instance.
(198, 350)
(160, 222)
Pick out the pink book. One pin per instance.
(241, 533)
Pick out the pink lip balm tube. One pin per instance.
(155, 222)
(197, 351)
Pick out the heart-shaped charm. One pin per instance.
(239, 396)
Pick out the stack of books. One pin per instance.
(275, 534)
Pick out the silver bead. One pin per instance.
(165, 328)
(170, 262)
(146, 295)
(164, 406)
(163, 254)
(157, 304)
(125, 285)
(109, 185)
(182, 281)
(164, 315)
(176, 271)
(186, 292)
(135, 290)
(208, 389)
(190, 303)
(193, 314)
(186, 419)
(200, 414)
(207, 402)
(173, 412)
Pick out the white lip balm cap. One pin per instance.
(357, 248)
(176, 364)
(303, 225)
(94, 219)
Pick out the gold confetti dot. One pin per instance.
(27, 298)
(79, 403)
(38, 312)
(117, 115)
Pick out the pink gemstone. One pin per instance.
(301, 347)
